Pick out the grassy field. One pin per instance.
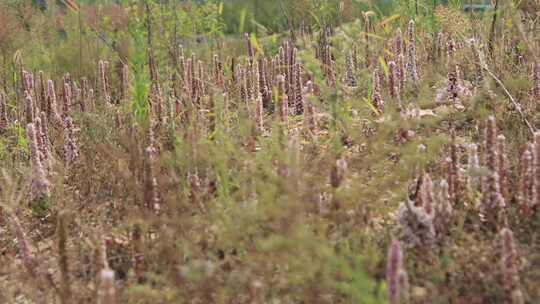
(343, 152)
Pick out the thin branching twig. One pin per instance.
(512, 99)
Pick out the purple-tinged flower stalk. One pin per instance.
(39, 184)
(536, 164)
(536, 81)
(43, 141)
(526, 189)
(22, 245)
(493, 204)
(509, 267)
(396, 276)
(30, 107)
(28, 82)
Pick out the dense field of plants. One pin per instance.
(206, 152)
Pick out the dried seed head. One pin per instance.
(443, 210)
(394, 84)
(71, 151)
(503, 167)
(473, 166)
(218, 71)
(103, 81)
(453, 172)
(349, 79)
(4, 121)
(52, 109)
(398, 43)
(264, 86)
(42, 92)
(412, 70)
(376, 98)
(259, 113)
(310, 120)
(284, 101)
(124, 83)
(401, 73)
(440, 44)
(251, 54)
(452, 84)
(479, 75)
(299, 94)
(67, 96)
(337, 175)
(490, 145)
(151, 191)
(426, 194)
(28, 82)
